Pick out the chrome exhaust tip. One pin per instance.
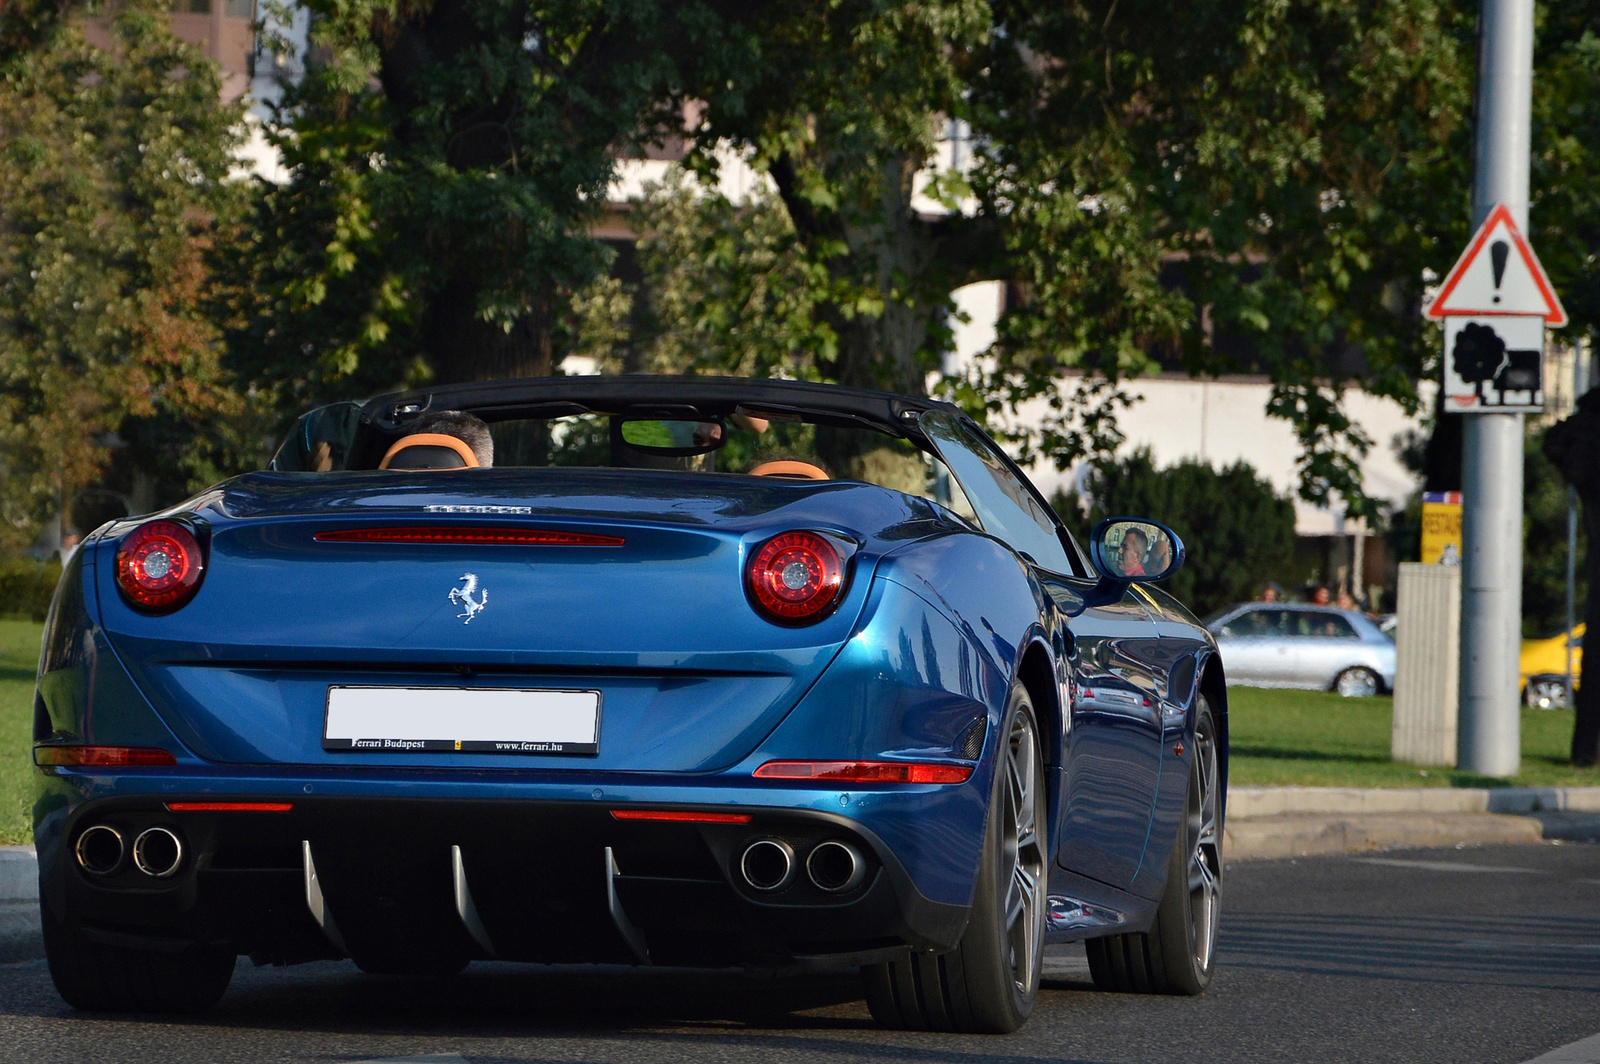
(99, 850)
(767, 864)
(835, 866)
(157, 852)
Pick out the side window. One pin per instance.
(320, 441)
(1315, 624)
(1007, 508)
(1254, 624)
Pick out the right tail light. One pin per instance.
(795, 578)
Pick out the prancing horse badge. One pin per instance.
(462, 596)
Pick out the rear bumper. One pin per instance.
(551, 879)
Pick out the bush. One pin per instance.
(26, 586)
(1238, 532)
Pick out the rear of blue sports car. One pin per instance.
(555, 715)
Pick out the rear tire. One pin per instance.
(1178, 954)
(1546, 692)
(988, 983)
(1358, 682)
(100, 978)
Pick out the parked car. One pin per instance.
(659, 681)
(1543, 666)
(1317, 647)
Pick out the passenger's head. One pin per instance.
(434, 442)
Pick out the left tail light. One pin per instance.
(159, 566)
(795, 578)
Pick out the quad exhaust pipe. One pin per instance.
(767, 864)
(99, 850)
(833, 866)
(157, 852)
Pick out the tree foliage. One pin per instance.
(1239, 532)
(113, 185)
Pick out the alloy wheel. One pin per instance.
(1023, 853)
(1205, 846)
(1357, 683)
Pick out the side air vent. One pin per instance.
(971, 744)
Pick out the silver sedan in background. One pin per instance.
(1276, 645)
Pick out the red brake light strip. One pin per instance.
(865, 771)
(229, 807)
(681, 816)
(103, 756)
(538, 537)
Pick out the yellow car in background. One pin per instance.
(1544, 670)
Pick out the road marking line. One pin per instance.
(1446, 866)
(1479, 943)
(1585, 1052)
(425, 1058)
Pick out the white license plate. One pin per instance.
(475, 721)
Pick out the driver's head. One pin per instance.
(467, 428)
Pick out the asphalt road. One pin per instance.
(1475, 955)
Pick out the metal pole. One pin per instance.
(1572, 581)
(1489, 732)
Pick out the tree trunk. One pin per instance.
(1573, 446)
(464, 347)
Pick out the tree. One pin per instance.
(113, 183)
(448, 161)
(722, 289)
(1239, 532)
(1257, 156)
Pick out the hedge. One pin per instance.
(26, 586)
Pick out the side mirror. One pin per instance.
(1132, 550)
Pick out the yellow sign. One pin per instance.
(1441, 528)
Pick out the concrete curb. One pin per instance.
(1251, 802)
(20, 938)
(1275, 822)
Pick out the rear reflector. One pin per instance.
(102, 756)
(229, 807)
(514, 537)
(681, 816)
(865, 771)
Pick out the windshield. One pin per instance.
(788, 446)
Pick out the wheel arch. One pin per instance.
(1037, 674)
(1214, 685)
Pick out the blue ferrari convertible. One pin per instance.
(630, 670)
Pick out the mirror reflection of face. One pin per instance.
(1131, 552)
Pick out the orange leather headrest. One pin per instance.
(431, 439)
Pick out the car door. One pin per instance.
(1258, 647)
(1106, 785)
(1325, 646)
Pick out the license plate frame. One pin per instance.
(538, 721)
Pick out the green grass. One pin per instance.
(1317, 739)
(19, 657)
(1307, 738)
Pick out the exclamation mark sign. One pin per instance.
(1499, 251)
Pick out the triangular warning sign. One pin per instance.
(1497, 275)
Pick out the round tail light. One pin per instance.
(159, 566)
(795, 578)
